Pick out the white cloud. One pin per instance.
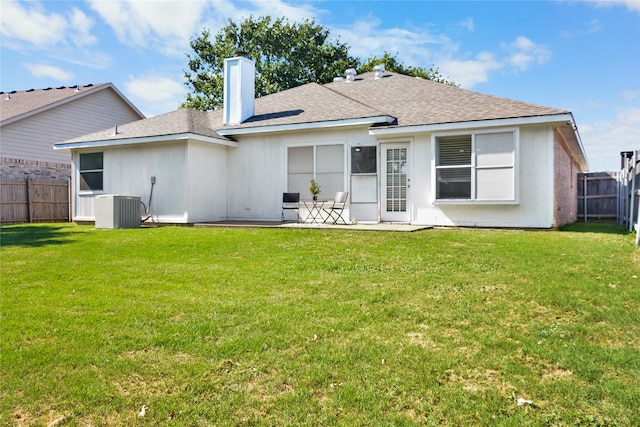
(150, 24)
(633, 5)
(32, 25)
(48, 71)
(278, 8)
(28, 28)
(523, 53)
(630, 95)
(469, 72)
(168, 25)
(155, 94)
(81, 28)
(605, 139)
(467, 24)
(423, 47)
(415, 47)
(594, 26)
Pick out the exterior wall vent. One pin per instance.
(238, 90)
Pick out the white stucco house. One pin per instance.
(406, 149)
(32, 120)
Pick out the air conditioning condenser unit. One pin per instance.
(115, 211)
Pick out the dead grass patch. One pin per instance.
(475, 380)
(556, 373)
(22, 417)
(418, 338)
(135, 385)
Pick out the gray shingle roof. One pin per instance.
(181, 121)
(15, 104)
(309, 103)
(412, 101)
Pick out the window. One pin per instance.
(453, 170)
(364, 174)
(363, 160)
(324, 163)
(478, 166)
(91, 171)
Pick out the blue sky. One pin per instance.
(583, 56)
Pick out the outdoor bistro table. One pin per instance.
(314, 208)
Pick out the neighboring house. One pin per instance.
(406, 149)
(32, 121)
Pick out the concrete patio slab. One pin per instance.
(383, 226)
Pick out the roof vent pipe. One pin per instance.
(8, 96)
(351, 74)
(378, 71)
(115, 131)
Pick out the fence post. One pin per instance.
(634, 167)
(638, 224)
(69, 195)
(584, 195)
(29, 207)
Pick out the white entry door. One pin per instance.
(395, 183)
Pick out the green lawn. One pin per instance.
(274, 327)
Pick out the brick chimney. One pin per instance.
(239, 89)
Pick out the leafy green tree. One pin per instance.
(392, 64)
(286, 55)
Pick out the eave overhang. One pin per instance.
(306, 126)
(564, 122)
(106, 143)
(569, 131)
(473, 124)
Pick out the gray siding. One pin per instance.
(32, 138)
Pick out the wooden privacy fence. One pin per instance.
(598, 196)
(34, 200)
(612, 196)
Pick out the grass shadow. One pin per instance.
(32, 235)
(595, 227)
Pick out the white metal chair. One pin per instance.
(334, 214)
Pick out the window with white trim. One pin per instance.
(476, 166)
(91, 171)
(324, 163)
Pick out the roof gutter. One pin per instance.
(473, 124)
(566, 126)
(569, 131)
(306, 126)
(105, 143)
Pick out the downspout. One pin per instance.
(618, 197)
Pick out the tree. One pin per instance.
(391, 64)
(286, 55)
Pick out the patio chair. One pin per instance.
(291, 202)
(334, 214)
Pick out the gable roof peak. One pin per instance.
(16, 105)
